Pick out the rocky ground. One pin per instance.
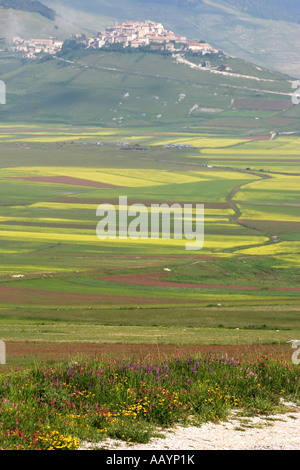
(273, 432)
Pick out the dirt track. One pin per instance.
(16, 295)
(67, 180)
(278, 432)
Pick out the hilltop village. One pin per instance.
(136, 34)
(130, 34)
(31, 47)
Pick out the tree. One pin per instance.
(70, 45)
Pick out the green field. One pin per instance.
(60, 283)
(123, 307)
(138, 92)
(85, 129)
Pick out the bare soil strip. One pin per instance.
(147, 203)
(152, 279)
(120, 351)
(17, 295)
(67, 180)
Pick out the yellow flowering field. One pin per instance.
(206, 142)
(284, 189)
(127, 178)
(285, 247)
(280, 146)
(264, 212)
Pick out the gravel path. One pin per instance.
(275, 432)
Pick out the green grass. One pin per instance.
(75, 331)
(48, 236)
(67, 306)
(84, 93)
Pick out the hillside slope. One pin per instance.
(34, 6)
(32, 24)
(261, 35)
(287, 10)
(126, 89)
